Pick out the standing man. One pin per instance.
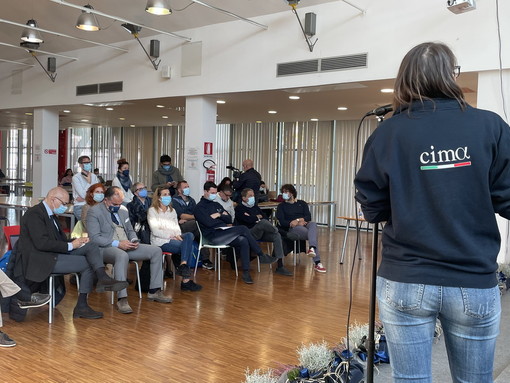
(217, 229)
(250, 178)
(82, 180)
(109, 227)
(184, 206)
(45, 249)
(251, 216)
(166, 176)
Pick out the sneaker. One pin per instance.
(36, 300)
(283, 271)
(158, 296)
(207, 264)
(311, 252)
(190, 286)
(319, 268)
(5, 341)
(183, 270)
(123, 306)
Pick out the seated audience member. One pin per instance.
(225, 194)
(95, 195)
(137, 209)
(109, 227)
(217, 229)
(184, 206)
(123, 180)
(166, 233)
(249, 178)
(251, 216)
(67, 179)
(294, 216)
(226, 181)
(81, 182)
(45, 249)
(10, 289)
(263, 192)
(100, 179)
(166, 176)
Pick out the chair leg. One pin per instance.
(138, 279)
(113, 292)
(218, 262)
(196, 263)
(52, 300)
(235, 261)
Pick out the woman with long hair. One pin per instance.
(437, 171)
(123, 180)
(166, 233)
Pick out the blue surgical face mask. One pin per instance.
(98, 197)
(286, 196)
(166, 199)
(125, 172)
(185, 191)
(212, 197)
(167, 167)
(251, 201)
(143, 193)
(87, 167)
(114, 209)
(60, 210)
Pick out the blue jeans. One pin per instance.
(470, 320)
(184, 247)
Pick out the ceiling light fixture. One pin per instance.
(314, 119)
(160, 106)
(342, 108)
(66, 111)
(386, 90)
(221, 102)
(164, 116)
(109, 108)
(135, 30)
(158, 7)
(31, 35)
(294, 97)
(87, 21)
(272, 111)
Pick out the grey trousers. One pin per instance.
(120, 259)
(266, 232)
(308, 232)
(7, 288)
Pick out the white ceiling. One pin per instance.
(320, 102)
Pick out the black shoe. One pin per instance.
(110, 284)
(266, 258)
(207, 264)
(87, 313)
(190, 286)
(283, 271)
(5, 341)
(184, 271)
(247, 277)
(36, 300)
(169, 274)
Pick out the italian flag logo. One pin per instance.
(449, 166)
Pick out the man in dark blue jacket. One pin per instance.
(217, 229)
(250, 178)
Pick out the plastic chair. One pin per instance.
(217, 258)
(10, 231)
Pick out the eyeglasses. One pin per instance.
(137, 190)
(456, 71)
(63, 203)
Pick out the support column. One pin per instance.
(200, 129)
(45, 151)
(490, 98)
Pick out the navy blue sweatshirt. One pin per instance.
(181, 207)
(207, 224)
(437, 176)
(287, 212)
(247, 216)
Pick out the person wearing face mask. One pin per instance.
(217, 229)
(263, 193)
(123, 180)
(95, 195)
(225, 195)
(250, 178)
(251, 216)
(137, 209)
(82, 180)
(109, 227)
(184, 206)
(166, 233)
(45, 249)
(294, 217)
(99, 177)
(166, 176)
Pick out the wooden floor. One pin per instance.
(207, 336)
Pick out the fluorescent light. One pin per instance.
(84, 120)
(160, 106)
(28, 114)
(164, 116)
(386, 90)
(132, 126)
(294, 97)
(314, 119)
(342, 108)
(122, 118)
(221, 102)
(109, 108)
(272, 111)
(66, 111)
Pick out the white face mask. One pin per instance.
(286, 196)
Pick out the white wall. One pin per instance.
(238, 56)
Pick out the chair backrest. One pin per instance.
(11, 235)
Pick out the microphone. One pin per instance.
(381, 111)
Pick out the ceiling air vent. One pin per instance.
(344, 62)
(83, 90)
(297, 67)
(109, 87)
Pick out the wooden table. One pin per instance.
(332, 209)
(21, 204)
(347, 226)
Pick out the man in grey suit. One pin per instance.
(109, 227)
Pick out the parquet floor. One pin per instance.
(210, 336)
